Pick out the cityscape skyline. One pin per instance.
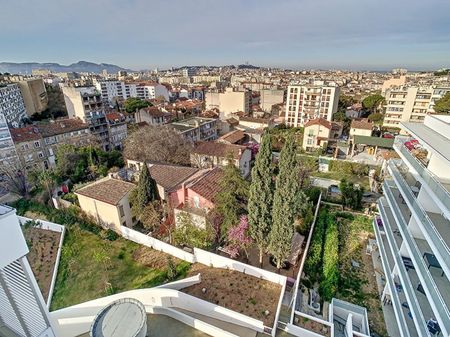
(140, 35)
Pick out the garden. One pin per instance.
(338, 266)
(236, 291)
(43, 245)
(95, 262)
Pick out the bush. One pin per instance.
(111, 235)
(313, 194)
(313, 263)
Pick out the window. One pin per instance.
(310, 141)
(37, 144)
(121, 211)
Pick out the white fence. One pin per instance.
(156, 244)
(55, 228)
(305, 253)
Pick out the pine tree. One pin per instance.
(284, 203)
(261, 196)
(145, 192)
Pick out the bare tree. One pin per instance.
(158, 143)
(15, 178)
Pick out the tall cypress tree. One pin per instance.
(145, 192)
(261, 196)
(284, 203)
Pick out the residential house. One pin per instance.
(213, 154)
(63, 131)
(318, 132)
(254, 127)
(360, 127)
(107, 200)
(153, 115)
(197, 196)
(30, 148)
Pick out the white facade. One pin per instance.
(414, 236)
(22, 308)
(307, 102)
(111, 90)
(8, 154)
(12, 105)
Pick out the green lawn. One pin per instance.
(92, 267)
(361, 180)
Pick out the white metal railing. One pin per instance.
(429, 178)
(423, 273)
(410, 294)
(403, 327)
(421, 216)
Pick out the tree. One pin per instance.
(261, 196)
(231, 201)
(171, 269)
(134, 104)
(443, 104)
(145, 193)
(377, 118)
(372, 102)
(351, 195)
(15, 178)
(238, 238)
(158, 143)
(284, 203)
(44, 179)
(188, 234)
(153, 215)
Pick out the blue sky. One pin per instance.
(349, 34)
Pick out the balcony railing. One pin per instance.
(403, 327)
(427, 225)
(429, 178)
(433, 294)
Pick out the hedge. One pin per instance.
(313, 263)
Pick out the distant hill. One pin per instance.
(80, 66)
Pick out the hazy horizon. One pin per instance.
(294, 34)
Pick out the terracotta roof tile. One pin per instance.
(218, 149)
(61, 126)
(25, 134)
(170, 176)
(110, 190)
(319, 121)
(208, 185)
(232, 137)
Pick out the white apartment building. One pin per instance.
(310, 101)
(8, 154)
(410, 104)
(413, 231)
(23, 311)
(12, 105)
(229, 101)
(270, 97)
(111, 90)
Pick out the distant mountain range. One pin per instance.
(80, 66)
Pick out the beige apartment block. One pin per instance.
(107, 200)
(229, 102)
(34, 95)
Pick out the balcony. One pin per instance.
(406, 328)
(435, 298)
(434, 227)
(429, 180)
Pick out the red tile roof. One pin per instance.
(110, 191)
(233, 136)
(170, 176)
(25, 134)
(61, 126)
(319, 121)
(255, 120)
(220, 150)
(364, 124)
(208, 185)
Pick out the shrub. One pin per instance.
(313, 263)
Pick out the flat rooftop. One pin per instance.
(434, 140)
